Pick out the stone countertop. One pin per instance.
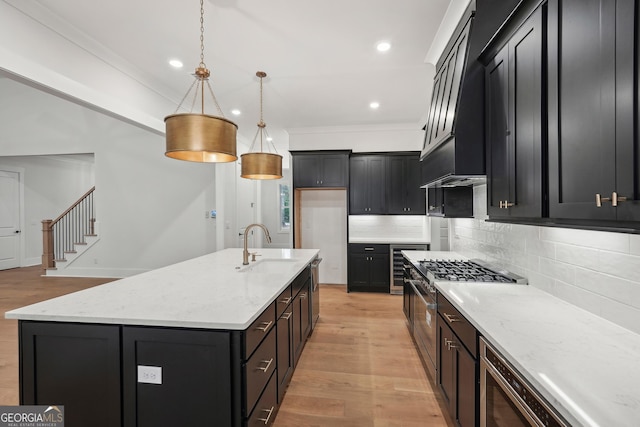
(587, 367)
(206, 292)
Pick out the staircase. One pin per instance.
(65, 238)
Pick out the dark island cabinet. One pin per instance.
(457, 361)
(369, 268)
(60, 365)
(593, 110)
(143, 376)
(320, 169)
(404, 195)
(185, 360)
(514, 123)
(367, 193)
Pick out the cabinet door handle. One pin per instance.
(600, 199)
(286, 316)
(450, 344)
(265, 326)
(369, 249)
(303, 295)
(270, 411)
(615, 199)
(431, 207)
(265, 368)
(450, 317)
(285, 301)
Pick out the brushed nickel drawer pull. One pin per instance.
(286, 316)
(266, 368)
(285, 301)
(270, 411)
(265, 327)
(451, 318)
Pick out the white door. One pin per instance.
(9, 219)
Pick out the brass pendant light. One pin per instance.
(198, 137)
(260, 164)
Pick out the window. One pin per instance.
(285, 210)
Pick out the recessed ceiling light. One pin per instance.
(176, 63)
(383, 46)
(374, 105)
(236, 112)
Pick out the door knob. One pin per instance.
(17, 231)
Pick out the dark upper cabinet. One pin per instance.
(404, 195)
(368, 184)
(593, 96)
(320, 169)
(446, 87)
(514, 123)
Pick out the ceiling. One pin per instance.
(321, 59)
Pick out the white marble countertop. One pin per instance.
(390, 240)
(587, 367)
(205, 292)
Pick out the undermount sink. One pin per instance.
(268, 265)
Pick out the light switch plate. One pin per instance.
(150, 374)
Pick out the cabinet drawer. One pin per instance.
(283, 301)
(265, 410)
(258, 370)
(259, 329)
(368, 248)
(457, 322)
(300, 281)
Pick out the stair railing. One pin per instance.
(61, 234)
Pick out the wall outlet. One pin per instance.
(150, 374)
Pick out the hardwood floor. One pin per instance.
(359, 368)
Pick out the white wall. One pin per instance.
(595, 270)
(403, 137)
(51, 185)
(151, 209)
(387, 227)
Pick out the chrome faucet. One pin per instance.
(245, 252)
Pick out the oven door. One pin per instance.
(424, 326)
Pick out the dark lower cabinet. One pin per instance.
(194, 382)
(457, 364)
(285, 351)
(75, 365)
(265, 411)
(368, 268)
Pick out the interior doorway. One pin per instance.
(10, 230)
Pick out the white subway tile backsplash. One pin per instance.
(595, 270)
(634, 244)
(577, 255)
(616, 242)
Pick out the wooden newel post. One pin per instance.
(47, 244)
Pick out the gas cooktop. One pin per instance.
(465, 271)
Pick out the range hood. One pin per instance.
(453, 152)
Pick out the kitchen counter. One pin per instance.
(212, 292)
(586, 367)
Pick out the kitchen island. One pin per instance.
(586, 367)
(204, 342)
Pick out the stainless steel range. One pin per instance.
(465, 271)
(420, 305)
